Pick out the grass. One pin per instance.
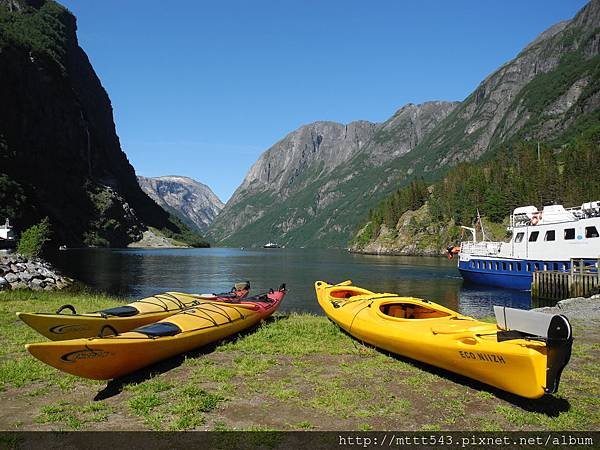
(281, 375)
(74, 417)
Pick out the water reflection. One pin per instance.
(135, 273)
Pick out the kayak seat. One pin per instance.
(120, 311)
(410, 311)
(159, 329)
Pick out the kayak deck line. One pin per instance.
(526, 360)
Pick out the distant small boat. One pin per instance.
(271, 245)
(62, 247)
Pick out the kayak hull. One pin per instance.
(58, 327)
(438, 336)
(115, 356)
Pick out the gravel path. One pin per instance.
(579, 308)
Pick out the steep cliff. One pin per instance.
(549, 92)
(304, 189)
(59, 153)
(193, 202)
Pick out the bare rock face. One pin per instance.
(291, 191)
(538, 95)
(193, 202)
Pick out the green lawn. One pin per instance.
(278, 376)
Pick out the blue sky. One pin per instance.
(202, 88)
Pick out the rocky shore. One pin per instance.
(19, 272)
(578, 308)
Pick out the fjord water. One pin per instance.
(136, 273)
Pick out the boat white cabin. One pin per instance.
(540, 240)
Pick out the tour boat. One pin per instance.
(550, 239)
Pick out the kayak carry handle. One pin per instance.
(69, 307)
(104, 327)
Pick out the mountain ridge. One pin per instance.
(190, 200)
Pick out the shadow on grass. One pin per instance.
(115, 387)
(549, 405)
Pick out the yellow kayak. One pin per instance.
(103, 358)
(60, 326)
(526, 359)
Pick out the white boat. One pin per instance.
(271, 245)
(541, 240)
(7, 237)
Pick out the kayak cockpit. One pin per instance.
(405, 310)
(345, 293)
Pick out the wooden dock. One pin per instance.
(580, 281)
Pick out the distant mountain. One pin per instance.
(548, 93)
(302, 191)
(193, 202)
(59, 153)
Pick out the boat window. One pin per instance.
(472, 265)
(528, 267)
(496, 266)
(519, 237)
(510, 267)
(537, 266)
(591, 232)
(410, 311)
(569, 234)
(555, 266)
(519, 267)
(503, 266)
(533, 236)
(550, 235)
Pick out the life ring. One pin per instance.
(537, 218)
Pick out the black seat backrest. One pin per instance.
(159, 329)
(120, 311)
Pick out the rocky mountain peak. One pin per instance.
(193, 202)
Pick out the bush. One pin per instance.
(34, 238)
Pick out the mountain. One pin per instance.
(59, 153)
(193, 202)
(548, 93)
(302, 190)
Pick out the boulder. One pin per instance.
(11, 277)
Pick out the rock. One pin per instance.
(36, 284)
(18, 285)
(3, 283)
(49, 281)
(27, 276)
(11, 277)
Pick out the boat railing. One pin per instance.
(481, 248)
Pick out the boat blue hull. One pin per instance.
(521, 282)
(507, 273)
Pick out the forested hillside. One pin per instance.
(514, 176)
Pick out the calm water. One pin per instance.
(136, 273)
